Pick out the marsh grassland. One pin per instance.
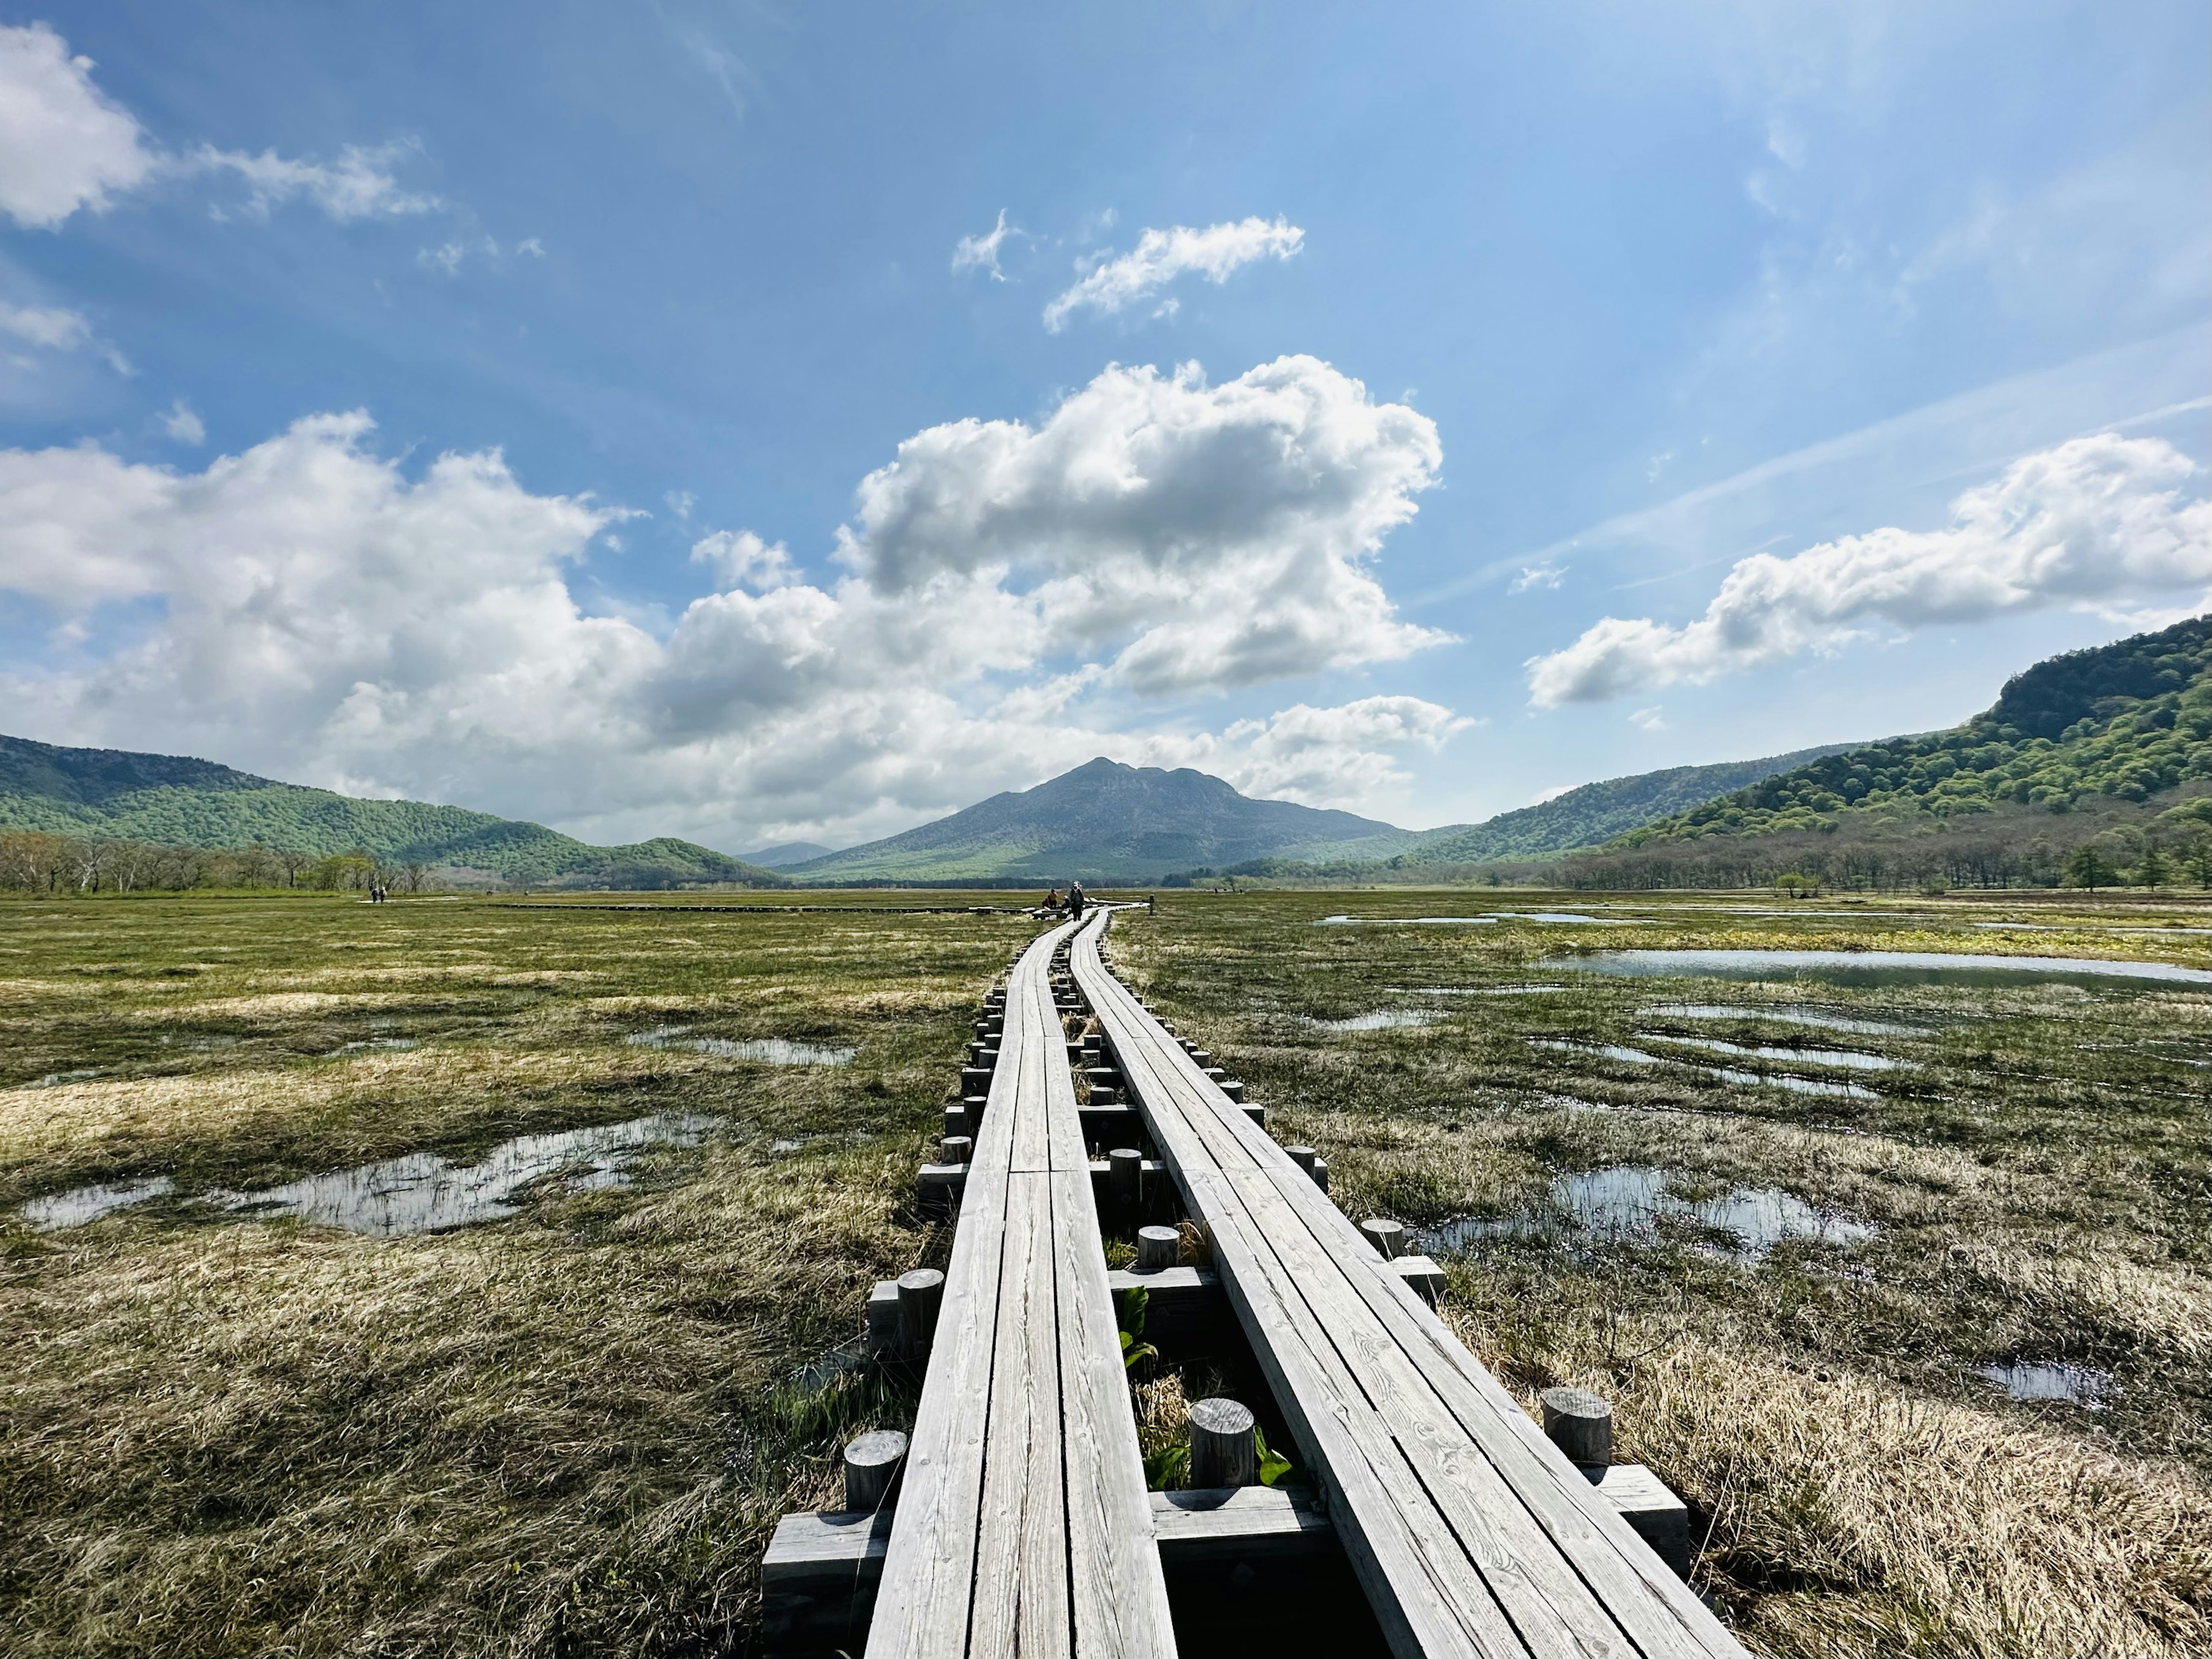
(234, 1422)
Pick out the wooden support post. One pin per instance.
(872, 1462)
(882, 1320)
(1302, 1157)
(1580, 1425)
(957, 1149)
(920, 1293)
(1126, 1164)
(1157, 1248)
(1222, 1452)
(1387, 1236)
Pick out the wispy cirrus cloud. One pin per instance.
(1161, 256)
(65, 147)
(2095, 522)
(981, 252)
(54, 327)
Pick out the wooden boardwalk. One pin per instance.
(1471, 1533)
(1024, 1527)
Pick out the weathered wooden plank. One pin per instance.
(1119, 1597)
(1550, 1607)
(929, 1571)
(1640, 1591)
(1564, 1562)
(1021, 1599)
(1411, 1567)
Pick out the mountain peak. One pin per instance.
(1107, 820)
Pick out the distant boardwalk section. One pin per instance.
(1025, 1528)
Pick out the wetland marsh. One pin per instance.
(1905, 1288)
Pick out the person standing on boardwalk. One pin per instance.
(1075, 901)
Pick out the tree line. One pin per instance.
(39, 861)
(2124, 855)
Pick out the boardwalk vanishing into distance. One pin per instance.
(1022, 1524)
(1471, 1534)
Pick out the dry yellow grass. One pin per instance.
(569, 1433)
(1875, 1522)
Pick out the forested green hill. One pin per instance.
(1596, 812)
(2125, 722)
(175, 801)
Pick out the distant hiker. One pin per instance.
(1075, 901)
(1052, 900)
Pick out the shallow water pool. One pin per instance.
(1627, 1203)
(1875, 967)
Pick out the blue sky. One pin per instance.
(589, 413)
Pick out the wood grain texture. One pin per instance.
(1469, 1531)
(1025, 1528)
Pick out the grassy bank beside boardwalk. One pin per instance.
(568, 1428)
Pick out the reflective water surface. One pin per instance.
(1565, 918)
(1786, 1016)
(2026, 1379)
(772, 1051)
(74, 1209)
(1470, 990)
(1627, 1204)
(422, 1192)
(1850, 1057)
(1382, 1019)
(1803, 1085)
(1875, 967)
(1610, 1050)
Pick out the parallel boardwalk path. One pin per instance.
(1471, 1534)
(1025, 1528)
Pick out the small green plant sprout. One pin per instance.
(1273, 1466)
(1135, 1352)
(1168, 1467)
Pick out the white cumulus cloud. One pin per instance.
(2096, 523)
(1338, 757)
(741, 559)
(63, 143)
(1225, 532)
(321, 613)
(1161, 256)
